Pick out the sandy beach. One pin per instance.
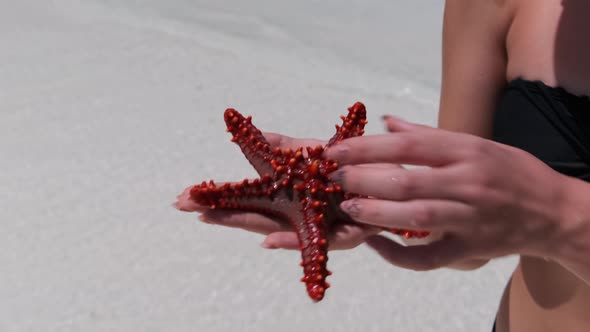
(108, 109)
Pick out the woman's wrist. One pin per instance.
(573, 232)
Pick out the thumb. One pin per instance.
(281, 240)
(421, 257)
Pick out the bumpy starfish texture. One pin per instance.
(295, 186)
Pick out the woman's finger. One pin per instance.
(186, 204)
(394, 124)
(417, 147)
(399, 183)
(380, 166)
(419, 258)
(348, 235)
(282, 141)
(249, 221)
(341, 237)
(281, 240)
(428, 215)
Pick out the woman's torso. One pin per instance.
(548, 41)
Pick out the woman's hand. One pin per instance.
(488, 199)
(279, 233)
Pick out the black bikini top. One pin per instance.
(548, 122)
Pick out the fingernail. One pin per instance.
(399, 121)
(351, 207)
(337, 151)
(338, 176)
(179, 206)
(267, 245)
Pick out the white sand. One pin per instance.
(109, 108)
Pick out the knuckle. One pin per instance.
(480, 180)
(424, 215)
(405, 184)
(479, 192)
(484, 149)
(481, 148)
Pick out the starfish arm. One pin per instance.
(352, 125)
(251, 141)
(312, 233)
(252, 195)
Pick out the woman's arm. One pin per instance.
(471, 188)
(473, 192)
(474, 64)
(474, 71)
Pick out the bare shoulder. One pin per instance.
(490, 13)
(547, 42)
(474, 63)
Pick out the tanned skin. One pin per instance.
(485, 45)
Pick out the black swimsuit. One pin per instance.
(550, 123)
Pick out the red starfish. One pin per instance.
(293, 186)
